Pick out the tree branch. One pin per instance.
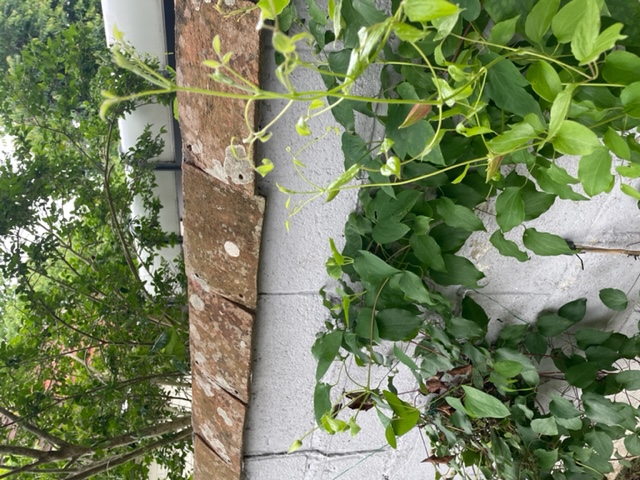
(108, 463)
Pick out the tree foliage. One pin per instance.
(93, 361)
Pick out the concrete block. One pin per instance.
(222, 228)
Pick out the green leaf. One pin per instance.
(544, 80)
(390, 435)
(321, 401)
(270, 9)
(586, 30)
(506, 87)
(632, 443)
(574, 138)
(296, 445)
(552, 325)
(517, 137)
(631, 171)
(460, 271)
(539, 19)
(574, 311)
(391, 167)
(508, 368)
(594, 172)
(373, 269)
(334, 187)
(544, 426)
(546, 244)
(586, 337)
(582, 375)
(458, 215)
(617, 144)
(536, 343)
(605, 41)
(601, 410)
(406, 416)
(630, 97)
(265, 168)
(325, 349)
(427, 10)
(621, 67)
(389, 231)
(428, 252)
(405, 359)
(560, 109)
(408, 33)
(629, 190)
(546, 458)
(481, 405)
(629, 379)
(509, 208)
(562, 408)
(503, 32)
(397, 324)
(614, 299)
(566, 21)
(535, 202)
(316, 13)
(413, 287)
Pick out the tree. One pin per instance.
(21, 21)
(89, 371)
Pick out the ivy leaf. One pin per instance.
(324, 350)
(546, 458)
(397, 324)
(458, 215)
(270, 9)
(594, 171)
(482, 405)
(406, 416)
(544, 80)
(427, 10)
(574, 138)
(460, 271)
(535, 202)
(509, 208)
(545, 244)
(614, 299)
(629, 190)
(539, 19)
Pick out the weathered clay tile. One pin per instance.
(210, 124)
(208, 465)
(222, 228)
(220, 335)
(218, 418)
